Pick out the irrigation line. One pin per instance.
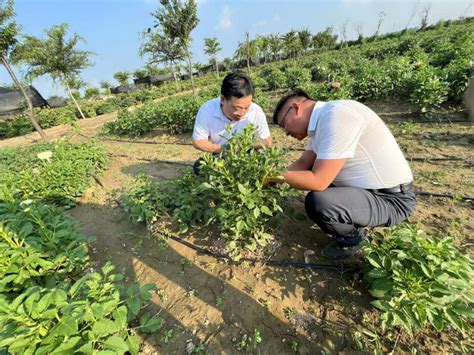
(299, 265)
(438, 194)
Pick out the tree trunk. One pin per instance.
(73, 99)
(31, 113)
(217, 67)
(173, 71)
(190, 67)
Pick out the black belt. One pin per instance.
(396, 189)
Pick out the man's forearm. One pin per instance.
(304, 180)
(207, 146)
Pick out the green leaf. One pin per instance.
(120, 316)
(380, 287)
(256, 212)
(266, 210)
(66, 327)
(117, 344)
(133, 345)
(67, 346)
(104, 327)
(150, 325)
(377, 273)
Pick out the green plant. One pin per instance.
(39, 244)
(86, 317)
(230, 192)
(249, 344)
(419, 280)
(54, 172)
(236, 181)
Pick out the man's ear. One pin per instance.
(296, 106)
(222, 99)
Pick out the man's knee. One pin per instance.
(317, 205)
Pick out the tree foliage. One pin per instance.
(174, 22)
(211, 47)
(122, 77)
(55, 56)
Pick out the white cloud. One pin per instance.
(276, 18)
(224, 20)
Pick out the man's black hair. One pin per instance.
(237, 85)
(284, 99)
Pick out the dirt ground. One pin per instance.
(218, 305)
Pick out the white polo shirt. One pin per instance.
(348, 129)
(211, 122)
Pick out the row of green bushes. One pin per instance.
(20, 124)
(427, 69)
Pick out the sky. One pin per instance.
(111, 28)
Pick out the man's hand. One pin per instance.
(272, 181)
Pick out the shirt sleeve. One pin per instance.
(201, 124)
(339, 134)
(262, 130)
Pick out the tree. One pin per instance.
(291, 43)
(8, 39)
(140, 73)
(122, 77)
(325, 39)
(305, 39)
(263, 47)
(105, 85)
(211, 47)
(91, 92)
(275, 45)
(55, 56)
(382, 15)
(247, 51)
(177, 19)
(162, 49)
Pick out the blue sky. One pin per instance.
(111, 28)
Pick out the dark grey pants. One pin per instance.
(342, 212)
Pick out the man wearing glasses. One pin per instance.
(234, 107)
(352, 167)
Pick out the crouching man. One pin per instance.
(352, 167)
(235, 108)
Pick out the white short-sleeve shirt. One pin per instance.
(211, 122)
(347, 129)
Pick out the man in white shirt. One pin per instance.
(235, 108)
(352, 167)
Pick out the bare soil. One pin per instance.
(303, 311)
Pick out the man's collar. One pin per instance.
(313, 121)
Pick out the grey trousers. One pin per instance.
(342, 212)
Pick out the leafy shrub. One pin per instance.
(177, 114)
(39, 245)
(229, 191)
(87, 317)
(46, 117)
(262, 99)
(134, 123)
(419, 280)
(371, 81)
(295, 77)
(55, 172)
(429, 88)
(275, 79)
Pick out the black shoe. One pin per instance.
(336, 252)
